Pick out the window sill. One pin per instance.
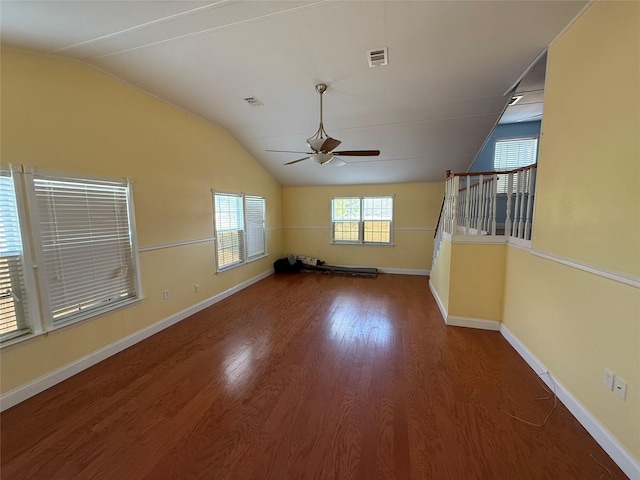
(365, 244)
(21, 339)
(93, 315)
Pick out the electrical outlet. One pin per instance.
(404, 254)
(607, 378)
(620, 388)
(197, 288)
(166, 294)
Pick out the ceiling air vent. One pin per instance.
(253, 101)
(378, 57)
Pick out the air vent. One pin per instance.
(378, 57)
(253, 101)
(515, 99)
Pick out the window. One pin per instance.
(84, 247)
(13, 292)
(511, 154)
(239, 229)
(362, 220)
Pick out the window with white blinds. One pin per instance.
(86, 243)
(254, 211)
(239, 229)
(511, 154)
(13, 293)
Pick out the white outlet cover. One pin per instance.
(620, 388)
(607, 378)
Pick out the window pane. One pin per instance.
(86, 240)
(377, 231)
(254, 214)
(346, 231)
(345, 209)
(13, 299)
(512, 154)
(229, 223)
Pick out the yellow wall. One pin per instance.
(588, 194)
(67, 117)
(307, 222)
(477, 281)
(577, 324)
(588, 209)
(441, 273)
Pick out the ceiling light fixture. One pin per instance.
(515, 99)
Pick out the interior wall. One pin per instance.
(484, 160)
(307, 225)
(477, 281)
(587, 211)
(64, 116)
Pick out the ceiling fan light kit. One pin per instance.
(322, 144)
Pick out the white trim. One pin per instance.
(415, 229)
(306, 228)
(443, 311)
(405, 271)
(610, 444)
(479, 323)
(480, 239)
(519, 242)
(38, 385)
(274, 229)
(160, 246)
(630, 280)
(468, 322)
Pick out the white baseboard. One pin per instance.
(405, 271)
(38, 385)
(479, 323)
(610, 444)
(443, 311)
(455, 321)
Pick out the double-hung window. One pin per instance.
(14, 312)
(362, 220)
(511, 154)
(83, 240)
(239, 228)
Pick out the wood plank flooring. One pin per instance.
(304, 377)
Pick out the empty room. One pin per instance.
(320, 240)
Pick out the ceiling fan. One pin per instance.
(323, 145)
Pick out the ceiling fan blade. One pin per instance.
(288, 151)
(359, 153)
(329, 144)
(296, 161)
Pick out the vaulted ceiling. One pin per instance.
(451, 67)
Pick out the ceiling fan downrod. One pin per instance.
(317, 141)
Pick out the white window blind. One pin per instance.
(87, 245)
(229, 223)
(511, 154)
(362, 220)
(13, 293)
(254, 208)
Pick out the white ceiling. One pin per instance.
(429, 110)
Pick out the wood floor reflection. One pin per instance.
(304, 377)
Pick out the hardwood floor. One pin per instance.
(304, 377)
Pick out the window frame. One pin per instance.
(244, 249)
(36, 282)
(33, 320)
(361, 222)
